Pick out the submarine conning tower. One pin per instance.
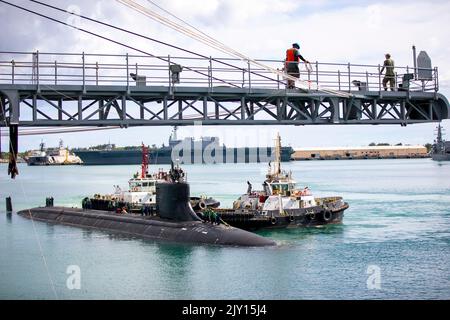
(173, 202)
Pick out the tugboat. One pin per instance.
(281, 205)
(141, 194)
(441, 148)
(171, 218)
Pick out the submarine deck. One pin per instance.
(193, 232)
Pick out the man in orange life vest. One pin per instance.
(293, 57)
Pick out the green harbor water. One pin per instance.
(398, 224)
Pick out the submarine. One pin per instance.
(174, 221)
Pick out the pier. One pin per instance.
(78, 89)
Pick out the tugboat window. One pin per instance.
(280, 188)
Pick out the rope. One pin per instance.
(41, 251)
(224, 223)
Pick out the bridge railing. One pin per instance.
(47, 69)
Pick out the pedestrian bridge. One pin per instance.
(40, 89)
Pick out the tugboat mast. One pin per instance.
(277, 164)
(174, 133)
(144, 161)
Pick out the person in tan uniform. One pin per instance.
(389, 76)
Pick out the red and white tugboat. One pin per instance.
(280, 204)
(141, 194)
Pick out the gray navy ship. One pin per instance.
(441, 148)
(186, 151)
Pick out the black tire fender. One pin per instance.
(327, 215)
(202, 205)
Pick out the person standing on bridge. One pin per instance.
(293, 58)
(389, 76)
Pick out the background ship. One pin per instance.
(51, 156)
(441, 148)
(195, 153)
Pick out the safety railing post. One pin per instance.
(339, 79)
(56, 73)
(84, 72)
(309, 75)
(249, 76)
(395, 80)
(210, 73)
(436, 79)
(278, 81)
(379, 78)
(367, 81)
(407, 71)
(317, 75)
(13, 64)
(170, 75)
(349, 78)
(37, 72)
(96, 73)
(128, 72)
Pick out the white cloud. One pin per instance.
(331, 31)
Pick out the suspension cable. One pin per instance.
(113, 41)
(155, 40)
(204, 38)
(190, 25)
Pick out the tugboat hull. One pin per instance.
(310, 217)
(154, 228)
(280, 204)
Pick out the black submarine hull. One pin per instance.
(154, 228)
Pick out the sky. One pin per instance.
(328, 31)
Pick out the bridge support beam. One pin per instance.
(154, 106)
(13, 105)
